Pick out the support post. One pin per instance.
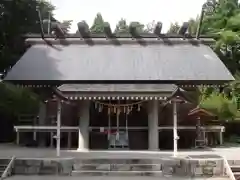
(42, 122)
(69, 140)
(175, 135)
(58, 137)
(34, 135)
(51, 139)
(153, 142)
(221, 138)
(83, 133)
(18, 137)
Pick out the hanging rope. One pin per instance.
(119, 105)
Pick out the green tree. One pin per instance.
(98, 24)
(17, 18)
(193, 25)
(222, 19)
(174, 27)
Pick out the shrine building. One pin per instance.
(117, 92)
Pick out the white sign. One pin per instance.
(101, 129)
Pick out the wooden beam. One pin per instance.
(83, 29)
(158, 29)
(183, 29)
(123, 35)
(107, 30)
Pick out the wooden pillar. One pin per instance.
(18, 137)
(221, 138)
(153, 142)
(83, 133)
(58, 137)
(175, 135)
(69, 139)
(42, 122)
(51, 139)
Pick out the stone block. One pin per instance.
(207, 171)
(120, 167)
(211, 163)
(19, 162)
(33, 162)
(202, 162)
(19, 170)
(47, 162)
(197, 171)
(171, 162)
(32, 170)
(48, 170)
(236, 162)
(77, 166)
(66, 171)
(218, 171)
(66, 166)
(103, 167)
(194, 163)
(167, 170)
(231, 162)
(181, 171)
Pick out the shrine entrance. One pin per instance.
(114, 124)
(118, 130)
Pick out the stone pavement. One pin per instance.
(105, 178)
(9, 150)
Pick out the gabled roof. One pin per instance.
(127, 61)
(200, 112)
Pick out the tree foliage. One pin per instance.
(98, 24)
(17, 18)
(223, 21)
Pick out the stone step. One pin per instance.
(118, 167)
(2, 168)
(235, 168)
(118, 161)
(237, 175)
(4, 161)
(117, 173)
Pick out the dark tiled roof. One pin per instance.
(117, 88)
(128, 61)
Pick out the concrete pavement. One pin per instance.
(106, 178)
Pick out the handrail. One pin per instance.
(228, 169)
(8, 170)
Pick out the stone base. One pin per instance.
(43, 166)
(83, 150)
(177, 167)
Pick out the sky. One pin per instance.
(144, 11)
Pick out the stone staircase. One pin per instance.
(3, 165)
(117, 167)
(236, 171)
(235, 167)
